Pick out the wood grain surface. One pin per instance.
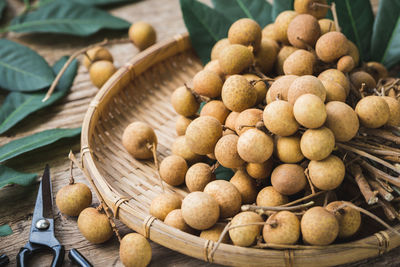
(17, 203)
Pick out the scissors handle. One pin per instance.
(76, 257)
(30, 249)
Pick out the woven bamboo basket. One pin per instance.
(141, 90)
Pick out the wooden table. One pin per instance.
(17, 203)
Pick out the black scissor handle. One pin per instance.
(76, 257)
(29, 249)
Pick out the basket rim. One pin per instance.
(160, 232)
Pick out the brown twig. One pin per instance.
(335, 17)
(303, 199)
(383, 134)
(369, 195)
(385, 185)
(382, 192)
(261, 209)
(71, 176)
(379, 174)
(388, 209)
(153, 148)
(306, 172)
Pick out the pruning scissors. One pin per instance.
(41, 236)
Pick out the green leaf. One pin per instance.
(222, 173)
(10, 176)
(3, 5)
(32, 142)
(22, 69)
(18, 106)
(385, 43)
(5, 230)
(102, 2)
(205, 25)
(67, 17)
(281, 5)
(258, 10)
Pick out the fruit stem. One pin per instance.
(383, 134)
(306, 172)
(335, 17)
(388, 209)
(303, 199)
(262, 210)
(71, 177)
(153, 149)
(379, 174)
(382, 191)
(214, 166)
(369, 195)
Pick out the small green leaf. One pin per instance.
(102, 2)
(258, 10)
(3, 4)
(10, 176)
(32, 142)
(67, 17)
(281, 5)
(205, 25)
(18, 106)
(5, 230)
(22, 69)
(222, 173)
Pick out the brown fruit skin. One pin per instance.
(373, 111)
(359, 77)
(181, 125)
(280, 87)
(94, 226)
(208, 130)
(95, 54)
(216, 109)
(309, 111)
(184, 102)
(260, 87)
(269, 32)
(269, 197)
(377, 70)
(235, 58)
(142, 35)
(345, 64)
(231, 120)
(198, 176)
(173, 170)
(306, 84)
(238, 94)
(353, 52)
(100, 71)
(136, 138)
(279, 119)
(135, 250)
(73, 198)
(265, 57)
(260, 170)
(349, 219)
(286, 231)
(180, 148)
(283, 54)
(319, 226)
(288, 179)
(281, 25)
(326, 25)
(303, 31)
(246, 186)
(307, 7)
(164, 204)
(226, 152)
(245, 236)
(342, 120)
(248, 117)
(327, 174)
(255, 146)
(246, 32)
(317, 144)
(218, 47)
(300, 62)
(207, 83)
(394, 108)
(334, 91)
(214, 233)
(335, 75)
(213, 66)
(331, 46)
(200, 210)
(175, 219)
(288, 149)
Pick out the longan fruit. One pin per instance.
(94, 226)
(100, 71)
(73, 198)
(345, 64)
(200, 210)
(259, 86)
(142, 35)
(306, 84)
(359, 77)
(353, 52)
(181, 125)
(231, 120)
(331, 46)
(309, 111)
(175, 219)
(269, 197)
(213, 66)
(216, 109)
(334, 91)
(283, 228)
(248, 117)
(281, 25)
(303, 31)
(394, 108)
(373, 111)
(180, 148)
(260, 170)
(198, 176)
(184, 102)
(288, 149)
(255, 146)
(227, 196)
(335, 75)
(268, 97)
(326, 25)
(269, 32)
(173, 170)
(95, 54)
(246, 235)
(218, 47)
(235, 58)
(300, 62)
(327, 174)
(317, 144)
(214, 233)
(377, 70)
(238, 94)
(319, 226)
(164, 204)
(280, 87)
(288, 179)
(246, 32)
(266, 55)
(207, 83)
(349, 219)
(136, 139)
(202, 134)
(226, 152)
(342, 120)
(134, 250)
(308, 7)
(283, 54)
(246, 186)
(279, 119)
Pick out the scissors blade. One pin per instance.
(47, 195)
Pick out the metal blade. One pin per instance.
(47, 195)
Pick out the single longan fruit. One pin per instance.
(181, 125)
(260, 170)
(137, 138)
(200, 210)
(303, 31)
(213, 66)
(164, 204)
(175, 219)
(246, 235)
(331, 46)
(246, 186)
(202, 134)
(283, 54)
(207, 83)
(266, 55)
(308, 7)
(300, 62)
(317, 144)
(255, 146)
(373, 111)
(280, 87)
(216, 109)
(283, 228)
(184, 102)
(134, 250)
(173, 170)
(319, 226)
(95, 54)
(227, 197)
(327, 174)
(100, 71)
(231, 120)
(238, 94)
(268, 97)
(94, 226)
(214, 233)
(235, 58)
(142, 35)
(349, 219)
(326, 25)
(269, 197)
(288, 149)
(359, 77)
(306, 84)
(73, 198)
(394, 108)
(279, 119)
(342, 120)
(269, 32)
(246, 32)
(248, 117)
(345, 64)
(281, 25)
(259, 86)
(180, 148)
(198, 176)
(288, 179)
(218, 47)
(309, 111)
(335, 75)
(353, 52)
(377, 70)
(226, 151)
(334, 91)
